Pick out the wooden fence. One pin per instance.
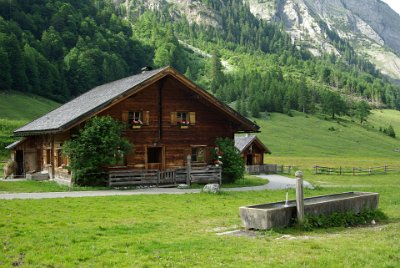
(355, 170)
(269, 169)
(208, 174)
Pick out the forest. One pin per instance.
(60, 49)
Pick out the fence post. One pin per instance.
(385, 168)
(188, 168)
(340, 170)
(315, 169)
(369, 171)
(299, 197)
(353, 171)
(220, 175)
(158, 177)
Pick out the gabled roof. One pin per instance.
(104, 96)
(243, 142)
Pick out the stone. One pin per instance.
(183, 186)
(211, 188)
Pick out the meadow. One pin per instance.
(184, 230)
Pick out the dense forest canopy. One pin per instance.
(60, 49)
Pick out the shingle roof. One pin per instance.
(242, 142)
(14, 144)
(92, 100)
(102, 96)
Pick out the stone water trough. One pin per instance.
(267, 216)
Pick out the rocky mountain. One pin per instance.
(371, 26)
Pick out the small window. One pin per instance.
(48, 156)
(60, 160)
(182, 118)
(120, 158)
(154, 155)
(198, 154)
(135, 119)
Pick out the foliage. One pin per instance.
(389, 131)
(232, 162)
(344, 219)
(333, 104)
(60, 49)
(98, 145)
(362, 110)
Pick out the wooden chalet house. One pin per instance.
(251, 149)
(168, 117)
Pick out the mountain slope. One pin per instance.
(370, 25)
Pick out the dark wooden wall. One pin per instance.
(160, 99)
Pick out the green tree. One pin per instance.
(98, 145)
(216, 75)
(232, 162)
(5, 71)
(362, 110)
(333, 104)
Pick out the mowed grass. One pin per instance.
(305, 140)
(17, 106)
(16, 110)
(181, 231)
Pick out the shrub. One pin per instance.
(343, 219)
(99, 144)
(232, 162)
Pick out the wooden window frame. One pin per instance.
(183, 118)
(136, 119)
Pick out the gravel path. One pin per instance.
(276, 182)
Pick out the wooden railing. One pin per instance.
(269, 169)
(355, 170)
(134, 177)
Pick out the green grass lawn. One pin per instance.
(50, 186)
(181, 231)
(18, 106)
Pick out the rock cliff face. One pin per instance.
(371, 26)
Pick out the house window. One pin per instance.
(182, 118)
(60, 160)
(48, 156)
(135, 119)
(154, 155)
(120, 158)
(198, 154)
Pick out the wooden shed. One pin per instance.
(251, 149)
(167, 117)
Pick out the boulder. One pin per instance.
(183, 186)
(211, 188)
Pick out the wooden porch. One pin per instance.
(171, 177)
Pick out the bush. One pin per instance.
(232, 162)
(343, 219)
(98, 145)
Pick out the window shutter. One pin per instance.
(174, 118)
(146, 117)
(192, 118)
(125, 115)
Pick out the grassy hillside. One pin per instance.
(17, 106)
(16, 110)
(300, 139)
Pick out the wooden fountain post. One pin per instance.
(299, 197)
